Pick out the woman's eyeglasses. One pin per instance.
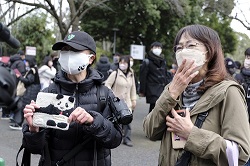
(178, 48)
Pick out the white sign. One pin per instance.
(30, 50)
(137, 51)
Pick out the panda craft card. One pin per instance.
(54, 110)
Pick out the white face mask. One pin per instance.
(157, 51)
(123, 67)
(247, 63)
(73, 62)
(198, 56)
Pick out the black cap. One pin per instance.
(79, 40)
(158, 44)
(20, 52)
(229, 63)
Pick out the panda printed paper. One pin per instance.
(54, 110)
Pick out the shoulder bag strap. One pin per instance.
(101, 102)
(26, 157)
(186, 156)
(115, 79)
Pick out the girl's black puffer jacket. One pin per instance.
(105, 134)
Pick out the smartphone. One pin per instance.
(17, 71)
(182, 113)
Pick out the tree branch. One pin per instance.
(19, 17)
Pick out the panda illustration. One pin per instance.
(54, 110)
(55, 104)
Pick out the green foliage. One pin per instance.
(243, 44)
(32, 31)
(146, 21)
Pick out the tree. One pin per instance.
(31, 31)
(145, 21)
(66, 18)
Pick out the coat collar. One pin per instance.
(213, 96)
(93, 77)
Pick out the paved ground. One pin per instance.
(143, 153)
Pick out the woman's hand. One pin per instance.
(181, 126)
(182, 78)
(28, 115)
(79, 115)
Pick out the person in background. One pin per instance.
(54, 56)
(237, 67)
(87, 121)
(201, 116)
(46, 72)
(32, 84)
(17, 64)
(115, 64)
(244, 79)
(122, 82)
(153, 75)
(230, 66)
(174, 68)
(103, 66)
(17, 61)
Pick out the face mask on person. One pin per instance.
(27, 68)
(157, 51)
(198, 56)
(131, 63)
(247, 63)
(123, 67)
(73, 62)
(115, 59)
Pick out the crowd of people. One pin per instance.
(198, 109)
(30, 79)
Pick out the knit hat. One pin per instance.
(158, 44)
(79, 40)
(20, 52)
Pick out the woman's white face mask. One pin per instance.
(198, 56)
(74, 62)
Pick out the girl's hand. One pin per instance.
(79, 115)
(28, 115)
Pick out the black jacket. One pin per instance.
(103, 66)
(153, 77)
(16, 62)
(106, 134)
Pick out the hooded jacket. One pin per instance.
(104, 134)
(227, 119)
(16, 62)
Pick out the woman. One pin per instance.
(46, 72)
(90, 127)
(122, 82)
(201, 84)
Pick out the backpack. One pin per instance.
(146, 61)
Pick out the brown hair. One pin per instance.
(216, 71)
(126, 58)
